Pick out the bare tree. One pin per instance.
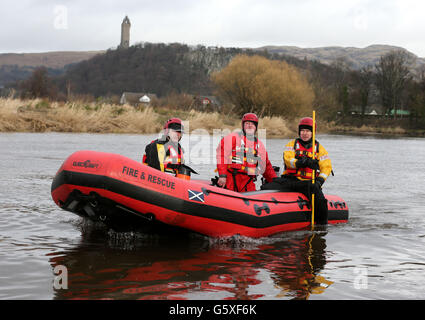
(341, 69)
(38, 85)
(365, 83)
(421, 106)
(416, 95)
(392, 74)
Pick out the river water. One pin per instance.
(48, 253)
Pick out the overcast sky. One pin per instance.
(82, 25)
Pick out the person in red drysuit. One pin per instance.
(241, 157)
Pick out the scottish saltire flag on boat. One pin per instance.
(196, 195)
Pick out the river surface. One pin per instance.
(48, 253)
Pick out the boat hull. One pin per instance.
(123, 193)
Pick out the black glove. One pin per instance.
(312, 164)
(320, 181)
(301, 162)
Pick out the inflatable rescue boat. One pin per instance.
(123, 193)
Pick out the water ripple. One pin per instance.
(378, 254)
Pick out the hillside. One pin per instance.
(356, 57)
(148, 67)
(19, 66)
(164, 68)
(53, 60)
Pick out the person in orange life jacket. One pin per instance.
(163, 152)
(241, 157)
(300, 166)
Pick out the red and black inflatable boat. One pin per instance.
(124, 193)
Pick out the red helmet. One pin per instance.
(250, 117)
(306, 123)
(175, 124)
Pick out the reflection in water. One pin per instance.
(138, 266)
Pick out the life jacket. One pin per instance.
(245, 158)
(167, 154)
(303, 151)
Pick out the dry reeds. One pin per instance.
(38, 115)
(11, 120)
(210, 121)
(276, 127)
(43, 116)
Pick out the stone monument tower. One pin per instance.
(125, 33)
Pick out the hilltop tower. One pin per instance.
(125, 33)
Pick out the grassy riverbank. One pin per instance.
(37, 115)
